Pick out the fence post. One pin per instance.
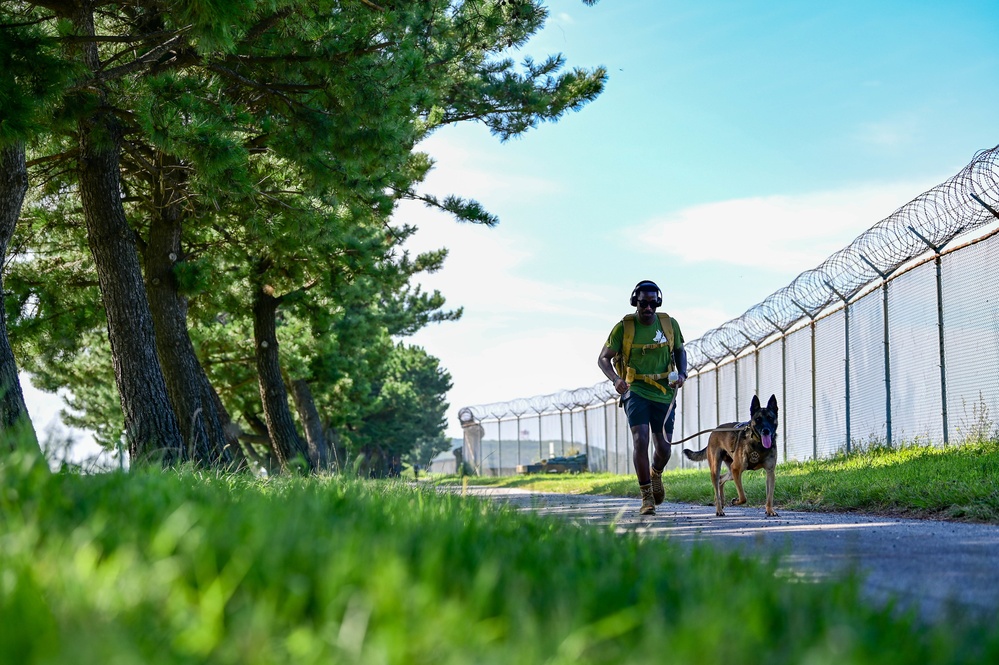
(884, 301)
(499, 447)
(541, 443)
(699, 401)
(717, 393)
(520, 460)
(561, 431)
(887, 345)
(783, 378)
(940, 331)
(846, 316)
(572, 431)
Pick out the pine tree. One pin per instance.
(234, 146)
(29, 78)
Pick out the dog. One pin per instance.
(742, 447)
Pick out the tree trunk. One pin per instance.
(16, 429)
(287, 444)
(150, 424)
(202, 424)
(319, 450)
(268, 461)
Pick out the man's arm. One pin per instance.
(604, 363)
(680, 360)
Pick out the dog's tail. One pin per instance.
(696, 455)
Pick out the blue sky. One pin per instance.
(736, 145)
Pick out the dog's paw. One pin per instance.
(772, 513)
(719, 513)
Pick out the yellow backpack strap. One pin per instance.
(629, 337)
(666, 323)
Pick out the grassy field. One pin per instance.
(957, 483)
(188, 567)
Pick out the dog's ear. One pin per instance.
(772, 404)
(754, 406)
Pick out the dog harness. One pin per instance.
(627, 346)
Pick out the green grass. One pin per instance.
(958, 483)
(187, 567)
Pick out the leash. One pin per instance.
(712, 429)
(672, 405)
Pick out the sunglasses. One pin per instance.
(651, 304)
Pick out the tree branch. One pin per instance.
(147, 58)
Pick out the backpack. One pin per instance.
(621, 360)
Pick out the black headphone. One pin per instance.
(641, 286)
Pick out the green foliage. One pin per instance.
(31, 75)
(193, 277)
(405, 411)
(177, 568)
(268, 142)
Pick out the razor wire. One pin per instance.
(967, 201)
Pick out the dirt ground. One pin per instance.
(935, 567)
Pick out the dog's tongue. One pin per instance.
(767, 441)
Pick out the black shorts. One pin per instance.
(642, 411)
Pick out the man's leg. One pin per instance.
(662, 430)
(660, 458)
(637, 409)
(662, 452)
(640, 452)
(640, 457)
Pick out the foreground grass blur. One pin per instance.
(957, 482)
(186, 567)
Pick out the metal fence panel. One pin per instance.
(687, 422)
(772, 383)
(971, 334)
(830, 380)
(727, 404)
(798, 409)
(746, 366)
(867, 370)
(915, 357)
(708, 392)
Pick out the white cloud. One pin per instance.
(467, 164)
(518, 337)
(775, 232)
(521, 337)
(888, 133)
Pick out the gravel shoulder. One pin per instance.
(940, 569)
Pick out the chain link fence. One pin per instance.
(894, 338)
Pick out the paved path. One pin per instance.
(928, 564)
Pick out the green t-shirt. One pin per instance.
(655, 361)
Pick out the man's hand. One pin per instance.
(621, 386)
